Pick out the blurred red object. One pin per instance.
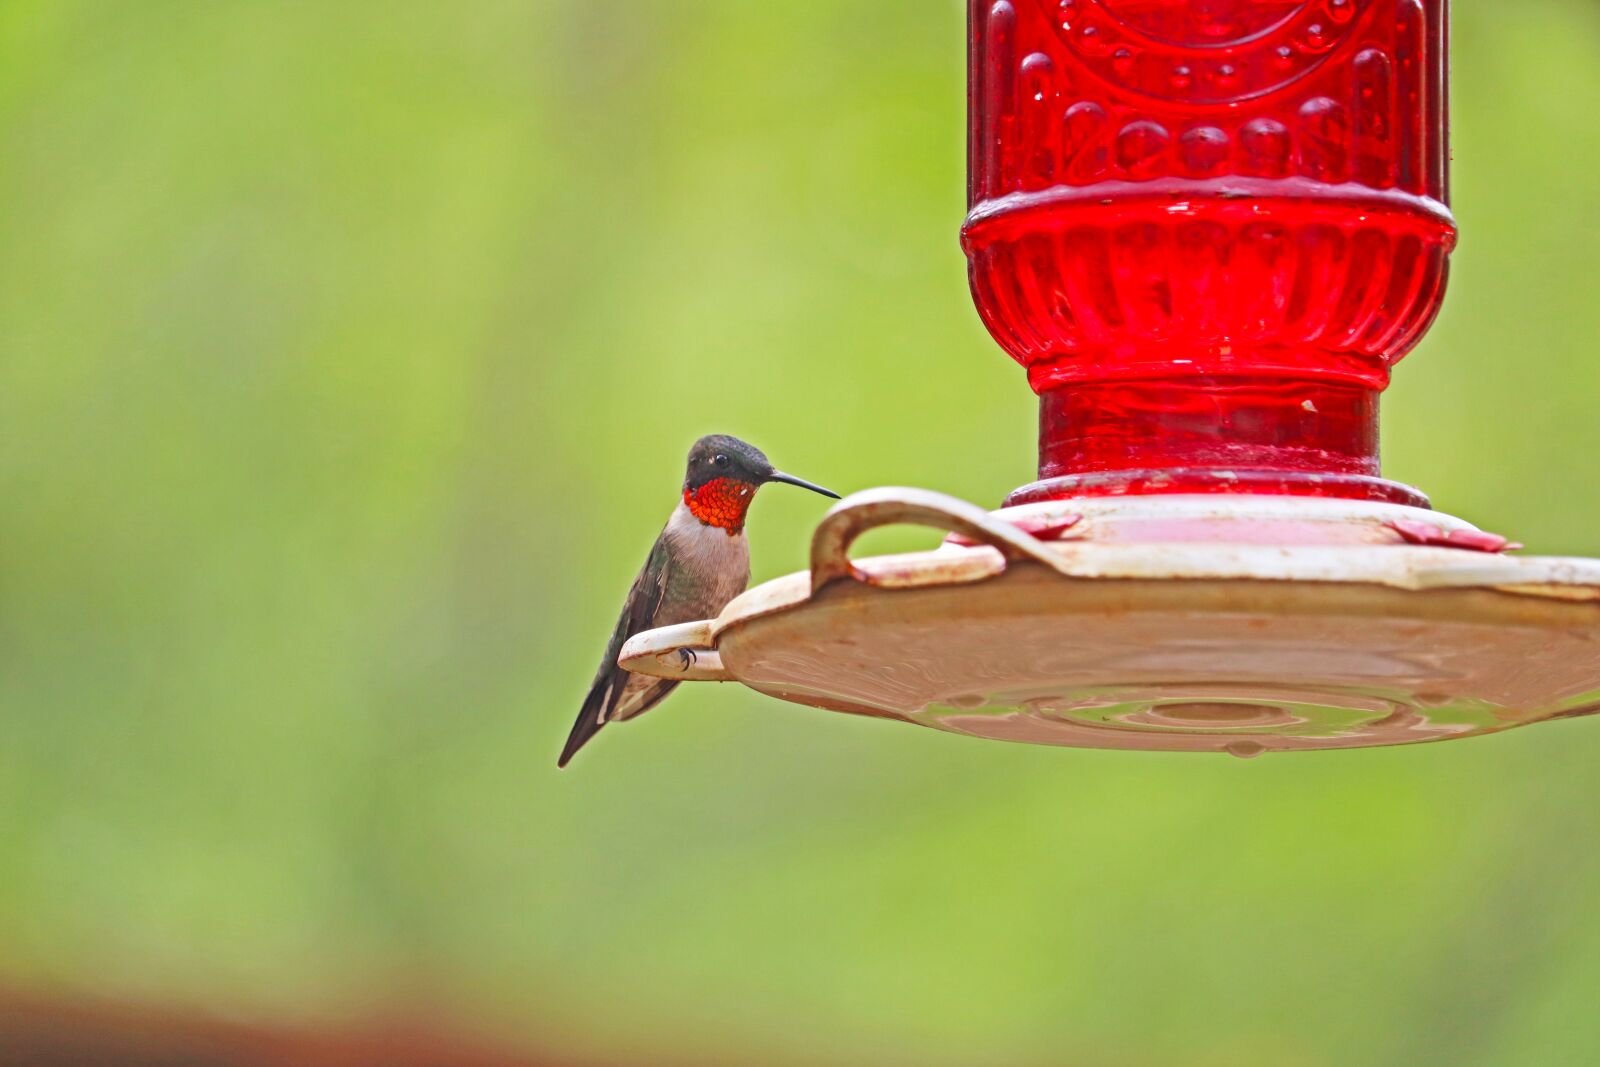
(1208, 228)
(39, 1031)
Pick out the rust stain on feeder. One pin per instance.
(1427, 533)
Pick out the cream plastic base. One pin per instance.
(1232, 624)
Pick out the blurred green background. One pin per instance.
(348, 355)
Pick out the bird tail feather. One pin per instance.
(593, 715)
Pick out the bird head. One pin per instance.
(722, 478)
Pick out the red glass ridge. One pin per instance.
(1208, 228)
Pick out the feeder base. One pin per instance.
(1219, 624)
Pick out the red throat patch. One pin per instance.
(721, 502)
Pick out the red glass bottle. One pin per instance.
(1208, 228)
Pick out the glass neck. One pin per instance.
(1211, 434)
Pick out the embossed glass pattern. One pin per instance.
(1208, 228)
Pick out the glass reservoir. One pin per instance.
(1208, 228)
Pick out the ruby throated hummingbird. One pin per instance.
(699, 563)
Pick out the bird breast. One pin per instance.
(710, 567)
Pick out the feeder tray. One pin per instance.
(1211, 624)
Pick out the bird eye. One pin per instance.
(720, 460)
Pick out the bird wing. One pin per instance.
(611, 682)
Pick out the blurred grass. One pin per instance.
(348, 353)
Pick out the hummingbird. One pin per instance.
(700, 561)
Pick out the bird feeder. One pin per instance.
(1208, 229)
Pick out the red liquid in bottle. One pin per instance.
(1208, 228)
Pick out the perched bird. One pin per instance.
(699, 563)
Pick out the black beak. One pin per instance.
(789, 479)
